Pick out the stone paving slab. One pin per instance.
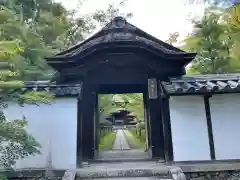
(120, 141)
(132, 178)
(121, 150)
(141, 164)
(127, 170)
(69, 175)
(123, 170)
(177, 173)
(123, 155)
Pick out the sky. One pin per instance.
(157, 17)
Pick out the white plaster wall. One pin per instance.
(225, 113)
(54, 127)
(189, 128)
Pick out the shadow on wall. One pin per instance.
(189, 127)
(54, 127)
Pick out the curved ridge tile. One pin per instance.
(177, 87)
(212, 86)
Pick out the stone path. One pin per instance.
(121, 150)
(124, 155)
(121, 164)
(120, 141)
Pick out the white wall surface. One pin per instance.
(54, 127)
(189, 128)
(225, 112)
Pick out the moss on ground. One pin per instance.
(106, 142)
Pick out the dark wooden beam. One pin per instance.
(209, 127)
(155, 113)
(121, 88)
(96, 124)
(147, 120)
(122, 60)
(157, 136)
(79, 130)
(87, 122)
(166, 120)
(167, 129)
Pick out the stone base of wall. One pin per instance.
(181, 171)
(214, 175)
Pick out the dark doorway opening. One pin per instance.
(122, 130)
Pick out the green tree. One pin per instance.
(219, 3)
(31, 30)
(13, 27)
(232, 19)
(45, 28)
(16, 142)
(104, 16)
(212, 43)
(227, 21)
(131, 102)
(135, 104)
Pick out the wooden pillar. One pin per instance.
(96, 125)
(168, 145)
(88, 122)
(147, 121)
(79, 129)
(155, 113)
(209, 127)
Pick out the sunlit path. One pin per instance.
(122, 151)
(120, 141)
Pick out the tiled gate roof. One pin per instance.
(203, 84)
(198, 84)
(58, 90)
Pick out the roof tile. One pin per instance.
(203, 84)
(185, 85)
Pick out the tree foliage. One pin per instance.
(132, 102)
(15, 141)
(31, 30)
(213, 3)
(211, 45)
(45, 28)
(215, 39)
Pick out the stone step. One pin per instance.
(127, 160)
(143, 170)
(117, 173)
(133, 178)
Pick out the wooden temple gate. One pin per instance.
(121, 58)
